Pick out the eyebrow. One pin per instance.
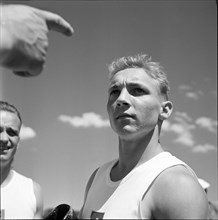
(112, 86)
(131, 84)
(10, 129)
(137, 84)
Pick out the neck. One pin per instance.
(136, 151)
(5, 171)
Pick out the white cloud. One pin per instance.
(185, 87)
(183, 125)
(177, 128)
(192, 95)
(182, 128)
(182, 131)
(185, 138)
(207, 123)
(203, 148)
(189, 92)
(89, 119)
(26, 133)
(182, 117)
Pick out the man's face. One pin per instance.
(133, 103)
(9, 136)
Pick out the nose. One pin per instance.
(123, 99)
(3, 137)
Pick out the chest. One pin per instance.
(111, 201)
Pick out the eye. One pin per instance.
(12, 132)
(114, 92)
(138, 92)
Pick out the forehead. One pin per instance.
(133, 76)
(9, 119)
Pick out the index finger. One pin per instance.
(57, 23)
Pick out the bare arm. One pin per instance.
(79, 216)
(24, 40)
(39, 201)
(176, 194)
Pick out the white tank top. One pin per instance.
(122, 199)
(17, 198)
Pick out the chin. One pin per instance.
(132, 132)
(126, 132)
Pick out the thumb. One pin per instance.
(57, 23)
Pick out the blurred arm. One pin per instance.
(24, 41)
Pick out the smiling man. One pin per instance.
(21, 198)
(144, 182)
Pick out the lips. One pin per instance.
(2, 148)
(124, 116)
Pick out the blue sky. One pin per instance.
(66, 133)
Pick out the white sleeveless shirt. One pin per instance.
(122, 199)
(17, 198)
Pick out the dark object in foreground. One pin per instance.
(62, 211)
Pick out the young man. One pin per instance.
(21, 198)
(24, 40)
(145, 182)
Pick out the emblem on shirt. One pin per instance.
(97, 215)
(2, 214)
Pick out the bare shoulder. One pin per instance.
(177, 194)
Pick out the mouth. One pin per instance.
(124, 116)
(3, 148)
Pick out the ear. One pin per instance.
(166, 110)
